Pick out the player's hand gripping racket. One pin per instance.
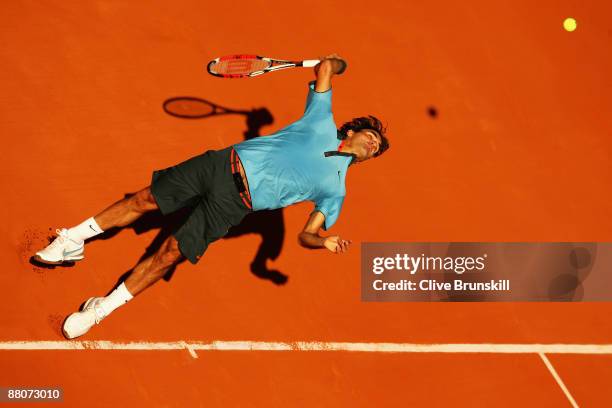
(242, 66)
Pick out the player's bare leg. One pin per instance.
(153, 268)
(145, 274)
(69, 245)
(126, 211)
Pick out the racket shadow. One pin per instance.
(191, 107)
(270, 225)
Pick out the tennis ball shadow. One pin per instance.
(432, 112)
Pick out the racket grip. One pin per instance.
(310, 63)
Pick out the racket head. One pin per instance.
(189, 107)
(238, 66)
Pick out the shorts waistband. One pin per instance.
(242, 190)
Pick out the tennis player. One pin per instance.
(306, 160)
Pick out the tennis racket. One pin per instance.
(242, 66)
(189, 107)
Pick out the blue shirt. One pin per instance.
(289, 166)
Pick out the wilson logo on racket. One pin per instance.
(242, 66)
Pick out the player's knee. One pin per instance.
(144, 200)
(169, 253)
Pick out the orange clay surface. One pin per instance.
(519, 150)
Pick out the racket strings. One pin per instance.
(239, 66)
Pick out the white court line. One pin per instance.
(194, 346)
(558, 379)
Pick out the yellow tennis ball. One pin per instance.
(569, 24)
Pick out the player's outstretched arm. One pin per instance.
(329, 66)
(310, 238)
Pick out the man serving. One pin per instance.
(307, 160)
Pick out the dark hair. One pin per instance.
(366, 122)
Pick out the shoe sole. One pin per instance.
(64, 331)
(81, 308)
(37, 258)
(66, 335)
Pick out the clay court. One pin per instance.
(499, 122)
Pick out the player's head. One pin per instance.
(365, 137)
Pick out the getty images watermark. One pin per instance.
(474, 271)
(413, 264)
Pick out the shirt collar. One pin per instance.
(337, 152)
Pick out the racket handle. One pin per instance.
(310, 63)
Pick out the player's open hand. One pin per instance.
(337, 244)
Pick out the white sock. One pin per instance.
(118, 297)
(85, 230)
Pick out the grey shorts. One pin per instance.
(206, 184)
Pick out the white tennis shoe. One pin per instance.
(79, 323)
(62, 249)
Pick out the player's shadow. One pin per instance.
(269, 225)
